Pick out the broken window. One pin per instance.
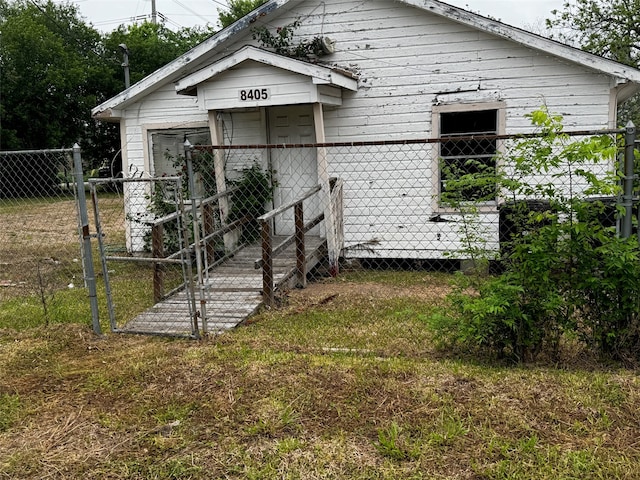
(467, 156)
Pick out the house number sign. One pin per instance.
(253, 94)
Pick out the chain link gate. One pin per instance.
(43, 273)
(143, 235)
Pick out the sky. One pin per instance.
(106, 15)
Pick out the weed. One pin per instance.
(349, 388)
(449, 428)
(394, 443)
(289, 444)
(10, 408)
(568, 276)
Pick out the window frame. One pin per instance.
(147, 132)
(436, 114)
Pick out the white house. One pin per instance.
(390, 70)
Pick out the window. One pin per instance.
(467, 164)
(168, 145)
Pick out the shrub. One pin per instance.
(567, 272)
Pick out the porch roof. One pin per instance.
(319, 75)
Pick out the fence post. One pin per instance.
(195, 200)
(157, 251)
(267, 265)
(627, 196)
(301, 263)
(87, 260)
(208, 225)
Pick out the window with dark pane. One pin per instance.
(467, 170)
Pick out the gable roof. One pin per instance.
(196, 58)
(319, 74)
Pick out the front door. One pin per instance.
(295, 169)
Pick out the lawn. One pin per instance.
(342, 381)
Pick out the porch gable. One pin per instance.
(252, 77)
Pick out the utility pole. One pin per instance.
(154, 12)
(125, 64)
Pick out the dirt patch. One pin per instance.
(433, 291)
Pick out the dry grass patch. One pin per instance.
(342, 382)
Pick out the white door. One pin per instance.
(295, 169)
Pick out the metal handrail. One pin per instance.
(157, 243)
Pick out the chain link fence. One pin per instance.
(260, 219)
(144, 240)
(40, 258)
(218, 231)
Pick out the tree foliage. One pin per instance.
(566, 273)
(54, 68)
(50, 74)
(237, 10)
(605, 27)
(150, 45)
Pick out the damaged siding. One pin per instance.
(407, 61)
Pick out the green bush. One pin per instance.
(568, 275)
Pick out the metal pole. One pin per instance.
(627, 196)
(195, 197)
(103, 257)
(125, 64)
(154, 12)
(90, 277)
(185, 255)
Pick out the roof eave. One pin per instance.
(175, 68)
(319, 73)
(528, 39)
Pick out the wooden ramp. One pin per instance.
(232, 292)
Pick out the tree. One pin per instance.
(150, 45)
(237, 10)
(605, 27)
(54, 68)
(49, 74)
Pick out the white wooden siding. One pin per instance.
(407, 60)
(244, 128)
(284, 87)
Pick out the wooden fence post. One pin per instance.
(209, 227)
(301, 263)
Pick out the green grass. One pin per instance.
(131, 288)
(18, 205)
(341, 382)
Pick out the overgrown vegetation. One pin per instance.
(254, 195)
(283, 42)
(567, 274)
